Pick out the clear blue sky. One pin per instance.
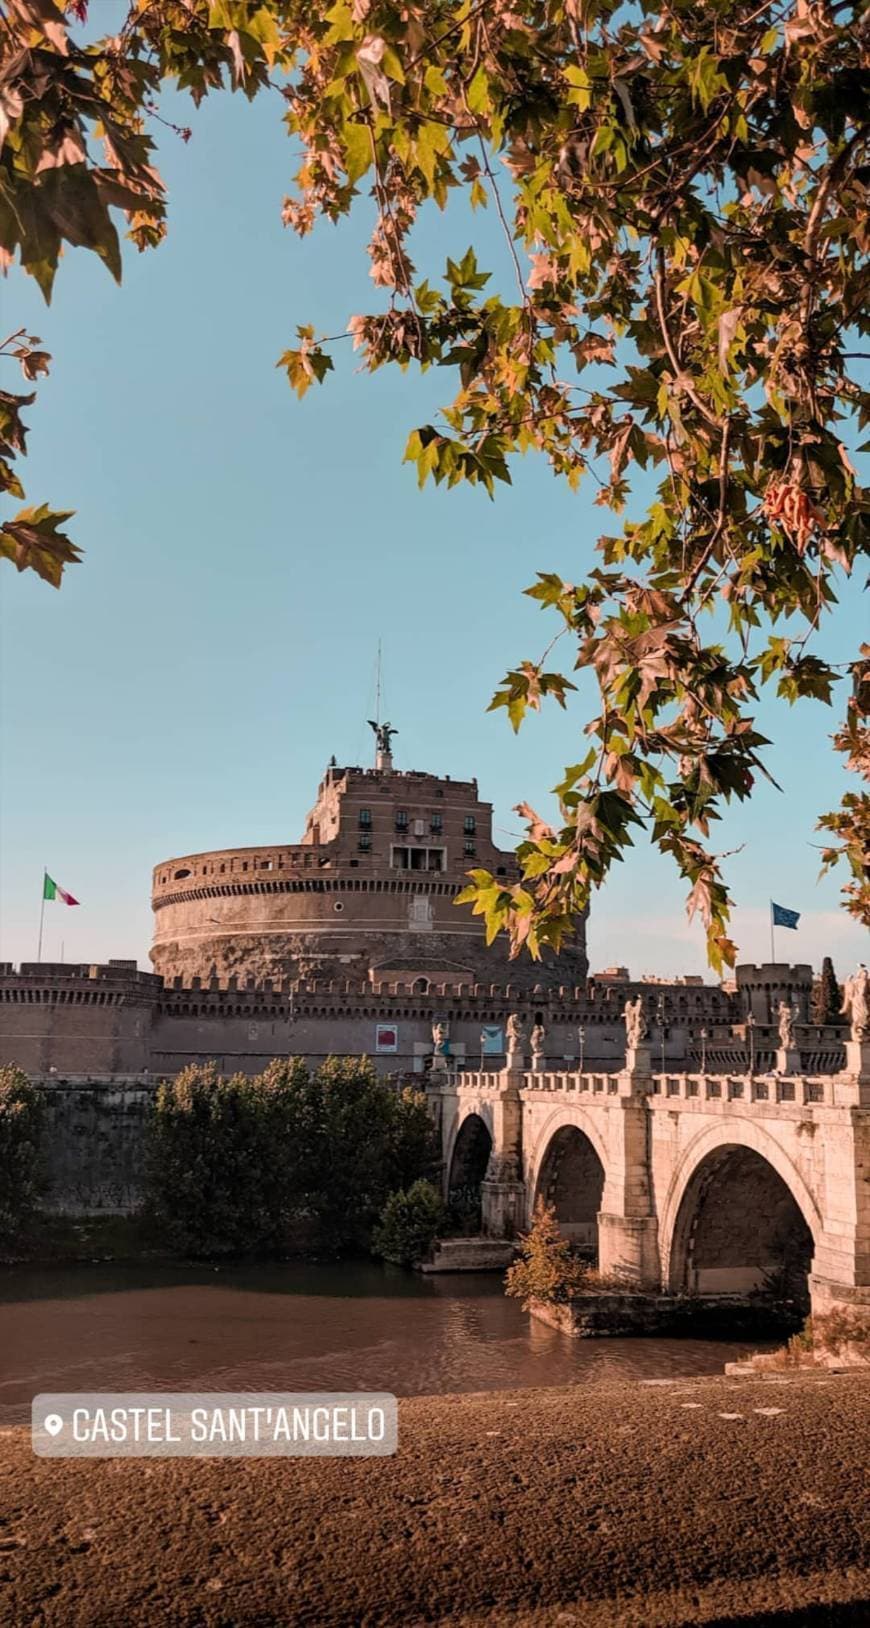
(244, 552)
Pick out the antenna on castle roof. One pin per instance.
(383, 732)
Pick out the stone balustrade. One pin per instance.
(792, 1089)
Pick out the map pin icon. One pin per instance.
(53, 1423)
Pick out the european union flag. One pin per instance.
(782, 917)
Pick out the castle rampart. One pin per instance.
(115, 1019)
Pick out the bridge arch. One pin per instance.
(569, 1171)
(468, 1156)
(738, 1214)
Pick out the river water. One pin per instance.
(348, 1326)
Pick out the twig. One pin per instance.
(681, 380)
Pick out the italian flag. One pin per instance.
(50, 890)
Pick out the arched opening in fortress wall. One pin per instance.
(572, 1180)
(468, 1163)
(739, 1228)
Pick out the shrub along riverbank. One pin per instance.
(563, 1289)
(291, 1162)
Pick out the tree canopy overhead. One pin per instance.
(681, 190)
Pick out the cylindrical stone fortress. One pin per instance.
(371, 886)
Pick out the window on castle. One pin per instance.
(437, 822)
(417, 859)
(469, 825)
(365, 819)
(401, 819)
(470, 849)
(364, 843)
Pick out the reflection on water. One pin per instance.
(349, 1326)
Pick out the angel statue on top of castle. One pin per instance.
(383, 735)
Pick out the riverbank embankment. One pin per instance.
(717, 1500)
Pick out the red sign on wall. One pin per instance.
(386, 1037)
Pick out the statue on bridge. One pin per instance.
(539, 1040)
(856, 1001)
(440, 1036)
(516, 1036)
(786, 1016)
(635, 1023)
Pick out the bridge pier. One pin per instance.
(502, 1194)
(627, 1225)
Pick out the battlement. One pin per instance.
(774, 972)
(64, 973)
(65, 981)
(760, 989)
(393, 778)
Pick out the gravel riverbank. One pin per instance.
(722, 1500)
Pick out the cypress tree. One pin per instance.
(827, 996)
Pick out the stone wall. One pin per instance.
(95, 1143)
(114, 1019)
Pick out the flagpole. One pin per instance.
(41, 914)
(772, 939)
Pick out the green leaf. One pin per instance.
(358, 150)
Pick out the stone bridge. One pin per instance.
(698, 1182)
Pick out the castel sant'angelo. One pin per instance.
(368, 892)
(350, 942)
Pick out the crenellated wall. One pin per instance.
(115, 1019)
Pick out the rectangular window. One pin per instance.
(365, 843)
(470, 849)
(437, 822)
(469, 825)
(365, 819)
(417, 859)
(401, 819)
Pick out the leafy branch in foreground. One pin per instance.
(33, 537)
(681, 196)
